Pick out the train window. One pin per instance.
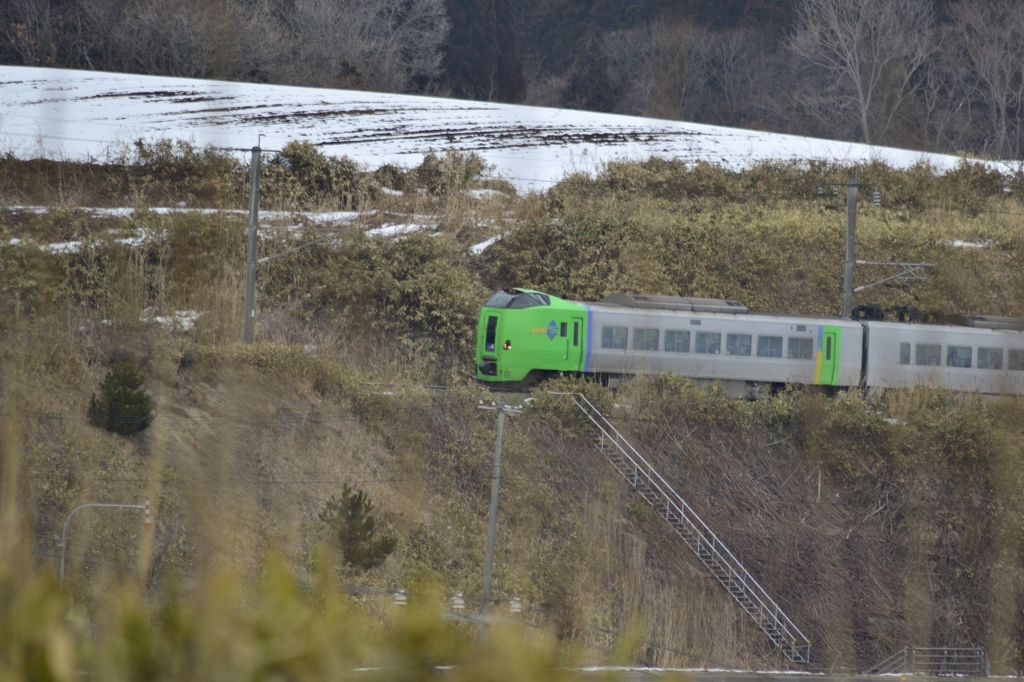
(500, 300)
(645, 339)
(575, 333)
(517, 299)
(492, 328)
(564, 330)
(737, 344)
(928, 354)
(613, 337)
(769, 346)
(528, 301)
(677, 342)
(958, 356)
(800, 348)
(708, 342)
(904, 353)
(1016, 360)
(990, 358)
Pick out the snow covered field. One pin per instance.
(59, 113)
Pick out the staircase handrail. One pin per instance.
(891, 664)
(935, 661)
(687, 513)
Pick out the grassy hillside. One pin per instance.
(876, 525)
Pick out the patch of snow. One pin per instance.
(484, 193)
(61, 113)
(38, 210)
(396, 229)
(62, 247)
(958, 244)
(184, 320)
(392, 192)
(477, 249)
(134, 241)
(128, 212)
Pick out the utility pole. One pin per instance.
(250, 256)
(851, 232)
(493, 520)
(851, 229)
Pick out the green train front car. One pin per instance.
(523, 331)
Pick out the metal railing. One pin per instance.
(936, 661)
(708, 547)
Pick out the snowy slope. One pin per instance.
(76, 114)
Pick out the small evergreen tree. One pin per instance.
(354, 529)
(123, 406)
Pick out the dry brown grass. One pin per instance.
(250, 442)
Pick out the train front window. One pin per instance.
(645, 339)
(737, 344)
(904, 353)
(492, 329)
(769, 346)
(708, 342)
(529, 301)
(958, 356)
(499, 300)
(990, 358)
(512, 298)
(928, 354)
(800, 348)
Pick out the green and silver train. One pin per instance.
(524, 336)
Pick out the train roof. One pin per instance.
(528, 298)
(685, 303)
(986, 322)
(944, 328)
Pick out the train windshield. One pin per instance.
(512, 298)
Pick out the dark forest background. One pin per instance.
(937, 75)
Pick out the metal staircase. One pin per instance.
(711, 551)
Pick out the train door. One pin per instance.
(829, 356)
(574, 350)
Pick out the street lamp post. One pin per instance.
(64, 535)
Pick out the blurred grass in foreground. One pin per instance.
(220, 627)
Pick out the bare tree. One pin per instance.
(745, 80)
(149, 36)
(677, 71)
(628, 57)
(387, 45)
(867, 52)
(384, 45)
(161, 37)
(988, 40)
(28, 31)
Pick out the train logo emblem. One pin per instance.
(551, 331)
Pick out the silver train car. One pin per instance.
(713, 340)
